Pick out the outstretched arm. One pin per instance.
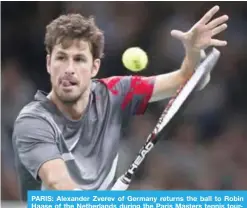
(198, 38)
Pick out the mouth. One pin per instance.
(68, 83)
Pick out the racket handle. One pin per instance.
(120, 185)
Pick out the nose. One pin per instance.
(69, 73)
(70, 69)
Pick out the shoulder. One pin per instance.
(31, 126)
(108, 82)
(121, 84)
(40, 108)
(34, 118)
(114, 84)
(106, 85)
(34, 109)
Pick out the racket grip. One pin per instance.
(120, 185)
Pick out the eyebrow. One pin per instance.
(61, 53)
(78, 54)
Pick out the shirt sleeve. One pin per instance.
(34, 141)
(134, 92)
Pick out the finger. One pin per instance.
(216, 42)
(177, 34)
(209, 15)
(219, 29)
(217, 21)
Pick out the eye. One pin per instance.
(60, 58)
(80, 59)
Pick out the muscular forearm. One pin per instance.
(55, 176)
(61, 183)
(190, 62)
(166, 85)
(189, 65)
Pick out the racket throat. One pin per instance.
(127, 177)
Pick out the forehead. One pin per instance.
(73, 46)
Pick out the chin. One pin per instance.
(69, 97)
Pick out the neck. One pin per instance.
(72, 110)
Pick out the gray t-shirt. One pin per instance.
(89, 146)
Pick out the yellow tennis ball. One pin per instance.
(135, 59)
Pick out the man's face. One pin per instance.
(71, 70)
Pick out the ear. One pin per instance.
(48, 63)
(95, 68)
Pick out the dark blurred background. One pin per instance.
(208, 148)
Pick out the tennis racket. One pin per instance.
(174, 105)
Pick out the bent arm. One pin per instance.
(37, 149)
(55, 175)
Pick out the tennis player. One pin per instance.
(68, 138)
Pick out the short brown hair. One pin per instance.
(75, 26)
